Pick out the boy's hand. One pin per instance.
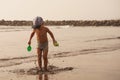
(29, 43)
(54, 41)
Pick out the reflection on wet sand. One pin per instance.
(43, 77)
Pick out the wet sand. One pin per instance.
(88, 53)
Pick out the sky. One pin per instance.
(60, 9)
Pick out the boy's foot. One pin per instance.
(46, 70)
(39, 69)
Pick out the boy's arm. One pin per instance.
(31, 36)
(52, 36)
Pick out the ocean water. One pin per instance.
(72, 41)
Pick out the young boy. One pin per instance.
(42, 40)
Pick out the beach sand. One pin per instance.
(89, 53)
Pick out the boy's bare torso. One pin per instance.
(41, 34)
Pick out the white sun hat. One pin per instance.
(37, 22)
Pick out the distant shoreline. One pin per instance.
(63, 22)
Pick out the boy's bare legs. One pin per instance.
(39, 52)
(45, 58)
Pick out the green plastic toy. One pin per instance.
(29, 48)
(56, 44)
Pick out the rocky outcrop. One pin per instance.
(86, 23)
(15, 23)
(64, 22)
